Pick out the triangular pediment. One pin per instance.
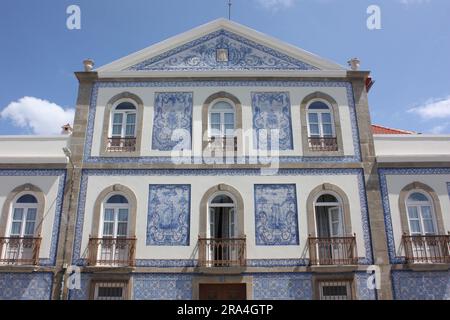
(220, 45)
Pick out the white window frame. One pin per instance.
(125, 114)
(320, 121)
(115, 207)
(337, 204)
(123, 285)
(222, 113)
(418, 205)
(336, 283)
(232, 224)
(25, 207)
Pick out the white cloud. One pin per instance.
(441, 129)
(39, 116)
(275, 5)
(433, 109)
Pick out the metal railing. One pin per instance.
(427, 249)
(20, 251)
(223, 143)
(222, 252)
(111, 252)
(333, 251)
(121, 145)
(323, 144)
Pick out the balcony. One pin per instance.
(333, 251)
(323, 144)
(19, 251)
(223, 143)
(221, 252)
(112, 252)
(427, 249)
(121, 145)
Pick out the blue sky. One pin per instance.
(408, 57)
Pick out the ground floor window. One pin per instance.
(335, 290)
(110, 290)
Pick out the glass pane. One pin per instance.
(18, 212)
(326, 117)
(413, 213)
(109, 215)
(117, 199)
(327, 198)
(215, 118)
(15, 228)
(131, 118)
(428, 225)
(314, 129)
(129, 132)
(327, 130)
(313, 118)
(123, 215)
(108, 228)
(222, 199)
(122, 229)
(29, 228)
(426, 212)
(229, 130)
(415, 226)
(118, 118)
(117, 130)
(126, 106)
(318, 105)
(31, 215)
(222, 106)
(420, 197)
(28, 198)
(229, 118)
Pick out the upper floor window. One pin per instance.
(123, 128)
(222, 120)
(420, 214)
(321, 130)
(24, 215)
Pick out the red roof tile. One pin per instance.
(376, 129)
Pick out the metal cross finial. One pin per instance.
(229, 9)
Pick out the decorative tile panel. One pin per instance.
(272, 121)
(220, 84)
(282, 286)
(276, 215)
(172, 122)
(241, 54)
(410, 285)
(362, 290)
(169, 208)
(79, 253)
(26, 286)
(82, 293)
(58, 205)
(147, 286)
(383, 173)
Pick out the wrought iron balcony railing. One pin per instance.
(427, 249)
(20, 251)
(333, 251)
(114, 252)
(323, 144)
(222, 252)
(121, 145)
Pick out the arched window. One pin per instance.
(329, 216)
(123, 127)
(24, 214)
(420, 214)
(115, 217)
(222, 120)
(320, 120)
(222, 217)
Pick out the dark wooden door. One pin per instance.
(224, 291)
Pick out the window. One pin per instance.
(115, 217)
(420, 214)
(222, 120)
(110, 291)
(222, 217)
(329, 216)
(335, 290)
(24, 213)
(321, 130)
(123, 128)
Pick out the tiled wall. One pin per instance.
(26, 286)
(410, 285)
(162, 286)
(282, 286)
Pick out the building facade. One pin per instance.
(225, 164)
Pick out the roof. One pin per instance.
(377, 129)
